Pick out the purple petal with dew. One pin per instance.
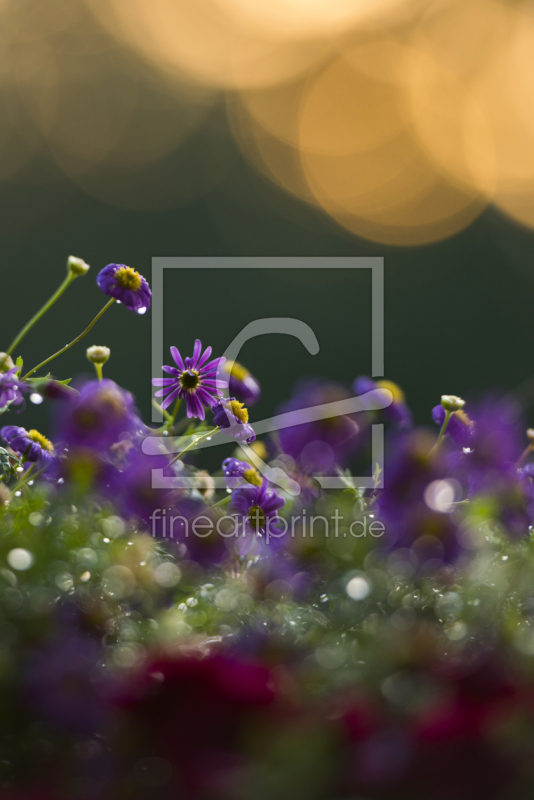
(170, 370)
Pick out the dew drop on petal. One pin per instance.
(141, 310)
(36, 398)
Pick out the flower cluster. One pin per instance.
(249, 622)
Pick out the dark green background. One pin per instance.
(459, 313)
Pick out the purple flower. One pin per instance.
(242, 384)
(318, 446)
(11, 389)
(126, 285)
(32, 445)
(232, 416)
(101, 415)
(491, 466)
(239, 473)
(256, 508)
(418, 499)
(460, 428)
(398, 412)
(195, 380)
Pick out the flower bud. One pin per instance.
(77, 266)
(452, 403)
(6, 362)
(530, 431)
(98, 354)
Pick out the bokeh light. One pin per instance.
(398, 119)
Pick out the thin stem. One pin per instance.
(448, 415)
(195, 441)
(24, 478)
(222, 502)
(162, 411)
(171, 417)
(29, 325)
(74, 341)
(98, 368)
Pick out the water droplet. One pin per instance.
(36, 398)
(60, 480)
(141, 310)
(18, 494)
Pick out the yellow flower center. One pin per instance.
(256, 517)
(236, 370)
(462, 416)
(128, 278)
(45, 443)
(252, 476)
(189, 380)
(238, 410)
(396, 391)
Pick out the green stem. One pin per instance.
(171, 417)
(222, 502)
(448, 415)
(195, 441)
(161, 411)
(23, 480)
(98, 368)
(74, 341)
(29, 325)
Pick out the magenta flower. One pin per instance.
(193, 380)
(126, 285)
(231, 416)
(256, 508)
(32, 445)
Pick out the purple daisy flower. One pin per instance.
(11, 389)
(32, 445)
(242, 384)
(101, 415)
(239, 473)
(398, 412)
(126, 285)
(194, 379)
(256, 508)
(232, 416)
(318, 446)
